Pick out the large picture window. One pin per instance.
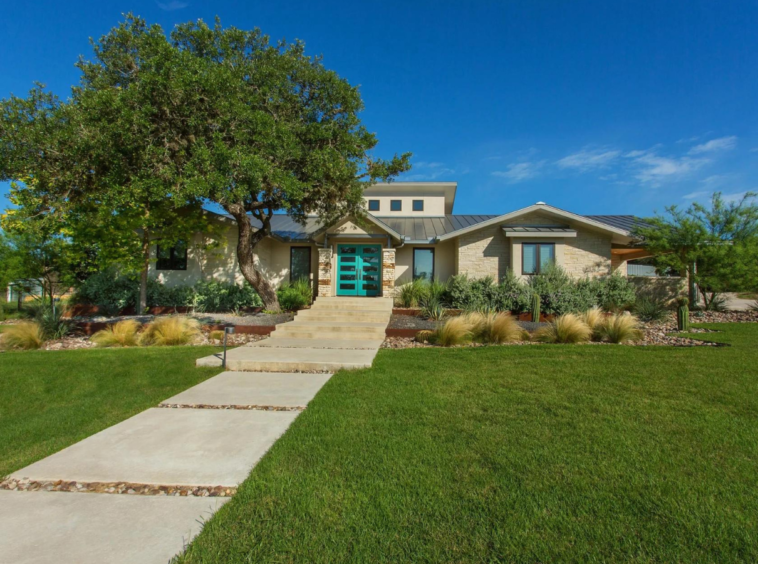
(536, 256)
(300, 263)
(423, 264)
(172, 258)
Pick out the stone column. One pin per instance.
(388, 273)
(325, 272)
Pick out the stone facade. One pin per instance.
(484, 252)
(388, 272)
(325, 272)
(619, 265)
(589, 254)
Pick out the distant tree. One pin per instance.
(157, 127)
(716, 246)
(105, 164)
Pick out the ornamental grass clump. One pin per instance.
(121, 334)
(594, 318)
(169, 331)
(27, 335)
(568, 329)
(497, 328)
(455, 331)
(621, 328)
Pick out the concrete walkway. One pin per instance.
(335, 333)
(177, 443)
(209, 436)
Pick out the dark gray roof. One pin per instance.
(415, 228)
(426, 228)
(537, 229)
(627, 222)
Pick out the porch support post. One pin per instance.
(325, 271)
(388, 273)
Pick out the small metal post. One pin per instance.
(227, 331)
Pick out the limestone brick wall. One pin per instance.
(589, 254)
(619, 265)
(484, 252)
(325, 272)
(388, 272)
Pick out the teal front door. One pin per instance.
(359, 270)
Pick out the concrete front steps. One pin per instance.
(335, 333)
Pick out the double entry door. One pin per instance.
(359, 270)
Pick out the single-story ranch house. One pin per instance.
(412, 232)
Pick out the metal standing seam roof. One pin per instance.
(419, 228)
(537, 229)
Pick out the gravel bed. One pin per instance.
(411, 322)
(248, 319)
(127, 488)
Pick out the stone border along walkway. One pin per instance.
(161, 464)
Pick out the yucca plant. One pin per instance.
(168, 331)
(568, 328)
(432, 309)
(497, 328)
(407, 297)
(27, 335)
(121, 334)
(455, 331)
(621, 328)
(52, 322)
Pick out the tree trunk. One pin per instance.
(248, 239)
(693, 294)
(142, 307)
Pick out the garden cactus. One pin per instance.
(536, 301)
(683, 315)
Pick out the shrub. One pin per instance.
(512, 294)
(2, 311)
(168, 331)
(753, 306)
(26, 335)
(121, 334)
(413, 293)
(455, 331)
(295, 295)
(497, 328)
(217, 297)
(561, 293)
(717, 303)
(621, 328)
(51, 322)
(650, 308)
(567, 328)
(614, 292)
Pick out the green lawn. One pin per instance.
(512, 454)
(50, 400)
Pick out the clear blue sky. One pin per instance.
(596, 107)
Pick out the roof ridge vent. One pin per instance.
(540, 204)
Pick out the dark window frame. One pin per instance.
(413, 262)
(537, 260)
(173, 262)
(399, 205)
(421, 206)
(310, 260)
(371, 204)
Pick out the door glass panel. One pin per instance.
(347, 267)
(347, 259)
(347, 250)
(370, 287)
(347, 277)
(347, 286)
(370, 250)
